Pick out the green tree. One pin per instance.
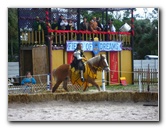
(12, 34)
(146, 38)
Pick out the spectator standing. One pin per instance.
(84, 25)
(100, 26)
(59, 21)
(37, 25)
(111, 26)
(94, 25)
(64, 24)
(70, 25)
(54, 25)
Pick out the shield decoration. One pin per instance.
(96, 46)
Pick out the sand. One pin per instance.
(82, 111)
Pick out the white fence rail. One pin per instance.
(13, 69)
(143, 64)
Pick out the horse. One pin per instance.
(64, 73)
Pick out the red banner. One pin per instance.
(114, 67)
(69, 57)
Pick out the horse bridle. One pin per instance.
(98, 68)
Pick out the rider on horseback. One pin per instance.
(77, 61)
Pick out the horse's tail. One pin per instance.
(54, 74)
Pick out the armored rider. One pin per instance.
(78, 60)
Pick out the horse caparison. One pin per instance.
(63, 72)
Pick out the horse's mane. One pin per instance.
(95, 60)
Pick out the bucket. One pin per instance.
(125, 28)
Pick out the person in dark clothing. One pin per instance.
(54, 25)
(84, 25)
(37, 27)
(46, 25)
(77, 61)
(110, 26)
(59, 22)
(100, 27)
(70, 25)
(37, 24)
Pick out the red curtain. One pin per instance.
(114, 67)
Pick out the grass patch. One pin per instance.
(126, 88)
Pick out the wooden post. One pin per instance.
(60, 38)
(68, 36)
(110, 36)
(129, 39)
(64, 37)
(42, 37)
(32, 37)
(39, 37)
(29, 37)
(36, 36)
(114, 37)
(93, 35)
(100, 37)
(75, 36)
(148, 78)
(56, 41)
(103, 36)
(117, 37)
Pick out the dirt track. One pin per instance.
(82, 111)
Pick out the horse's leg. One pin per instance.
(92, 81)
(65, 84)
(56, 85)
(60, 75)
(85, 87)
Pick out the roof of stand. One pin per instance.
(104, 9)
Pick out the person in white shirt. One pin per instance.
(111, 26)
(77, 61)
(63, 24)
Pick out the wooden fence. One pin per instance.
(148, 76)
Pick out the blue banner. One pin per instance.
(95, 46)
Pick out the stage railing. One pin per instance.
(32, 37)
(61, 36)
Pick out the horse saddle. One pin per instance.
(75, 65)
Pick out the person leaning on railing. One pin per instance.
(28, 81)
(94, 25)
(54, 25)
(84, 26)
(45, 25)
(37, 26)
(109, 28)
(100, 25)
(70, 26)
(64, 24)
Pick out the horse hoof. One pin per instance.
(53, 90)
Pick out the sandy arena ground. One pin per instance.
(82, 111)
